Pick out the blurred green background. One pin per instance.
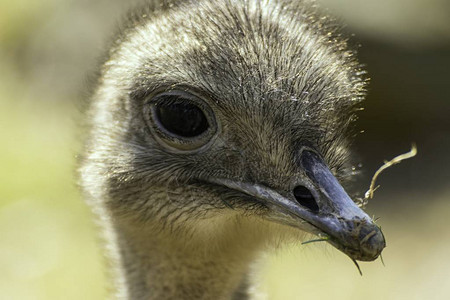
(49, 246)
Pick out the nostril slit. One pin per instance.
(305, 198)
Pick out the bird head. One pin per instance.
(231, 109)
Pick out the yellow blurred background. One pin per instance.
(49, 246)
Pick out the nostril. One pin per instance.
(305, 198)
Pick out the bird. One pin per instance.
(218, 130)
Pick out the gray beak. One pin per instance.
(326, 211)
(349, 228)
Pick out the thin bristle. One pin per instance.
(316, 240)
(357, 266)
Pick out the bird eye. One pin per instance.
(180, 120)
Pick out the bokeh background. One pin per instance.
(49, 247)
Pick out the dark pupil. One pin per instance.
(182, 118)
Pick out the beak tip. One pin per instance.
(363, 242)
(373, 244)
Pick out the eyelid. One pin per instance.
(172, 142)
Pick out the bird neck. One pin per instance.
(168, 266)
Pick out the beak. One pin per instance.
(334, 216)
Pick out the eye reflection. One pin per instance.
(181, 118)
